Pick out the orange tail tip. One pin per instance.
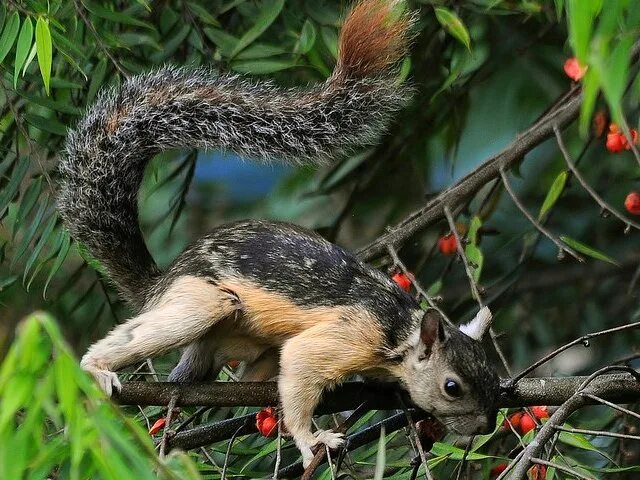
(374, 37)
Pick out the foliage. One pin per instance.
(56, 423)
(483, 70)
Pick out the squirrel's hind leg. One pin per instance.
(184, 313)
(264, 368)
(198, 361)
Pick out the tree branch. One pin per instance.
(563, 113)
(620, 388)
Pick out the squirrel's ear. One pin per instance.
(432, 330)
(477, 327)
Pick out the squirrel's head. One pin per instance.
(448, 374)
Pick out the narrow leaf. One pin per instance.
(307, 38)
(46, 124)
(9, 35)
(40, 244)
(44, 50)
(62, 255)
(28, 201)
(452, 24)
(553, 194)
(259, 67)
(10, 191)
(268, 13)
(22, 48)
(381, 457)
(587, 250)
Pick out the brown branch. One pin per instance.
(621, 388)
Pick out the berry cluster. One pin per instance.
(617, 142)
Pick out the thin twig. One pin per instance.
(597, 433)
(167, 425)
(474, 288)
(557, 466)
(598, 199)
(584, 339)
(397, 262)
(223, 475)
(278, 450)
(465, 261)
(461, 463)
(541, 228)
(414, 433)
(80, 9)
(612, 405)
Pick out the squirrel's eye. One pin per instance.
(452, 388)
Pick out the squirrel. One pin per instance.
(277, 296)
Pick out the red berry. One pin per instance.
(540, 412)
(538, 472)
(156, 427)
(497, 470)
(527, 423)
(573, 69)
(403, 280)
(514, 419)
(267, 422)
(632, 203)
(615, 142)
(448, 244)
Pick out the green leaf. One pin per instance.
(44, 49)
(580, 21)
(554, 193)
(452, 24)
(330, 38)
(56, 106)
(10, 191)
(474, 226)
(31, 231)
(381, 457)
(61, 256)
(223, 40)
(22, 48)
(50, 125)
(9, 35)
(476, 258)
(307, 38)
(97, 79)
(259, 67)
(113, 16)
(3, 16)
(260, 50)
(268, 13)
(37, 249)
(587, 250)
(28, 201)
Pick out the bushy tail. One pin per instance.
(106, 155)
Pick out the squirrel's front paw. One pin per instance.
(329, 438)
(107, 379)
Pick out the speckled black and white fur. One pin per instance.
(274, 295)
